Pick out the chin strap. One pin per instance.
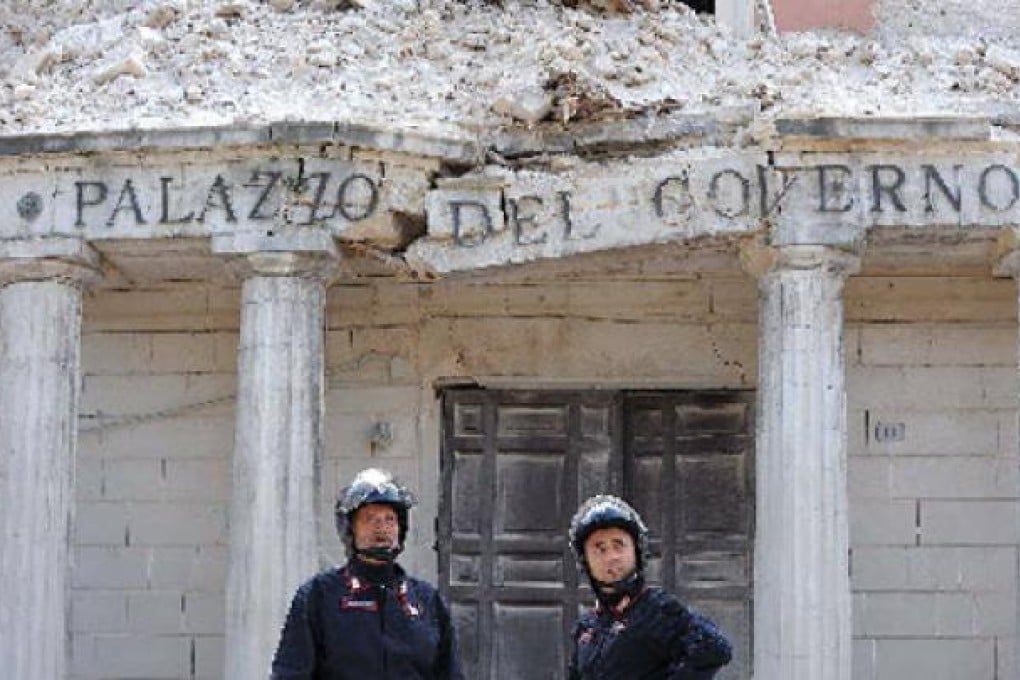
(378, 553)
(610, 594)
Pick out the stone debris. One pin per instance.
(440, 63)
(193, 94)
(130, 62)
(24, 91)
(163, 14)
(1004, 61)
(231, 10)
(529, 105)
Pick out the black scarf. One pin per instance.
(383, 574)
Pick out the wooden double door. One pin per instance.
(515, 466)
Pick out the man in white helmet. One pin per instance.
(368, 619)
(635, 631)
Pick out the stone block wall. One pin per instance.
(934, 477)
(932, 429)
(153, 483)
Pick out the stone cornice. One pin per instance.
(469, 146)
(459, 148)
(920, 128)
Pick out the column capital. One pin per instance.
(69, 260)
(760, 259)
(1006, 260)
(305, 265)
(308, 254)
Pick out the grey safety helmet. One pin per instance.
(372, 486)
(603, 511)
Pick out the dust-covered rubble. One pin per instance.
(119, 64)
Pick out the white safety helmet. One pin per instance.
(368, 487)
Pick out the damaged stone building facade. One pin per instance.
(795, 351)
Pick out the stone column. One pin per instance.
(802, 620)
(40, 340)
(277, 446)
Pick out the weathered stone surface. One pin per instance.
(590, 208)
(450, 145)
(40, 326)
(130, 62)
(900, 128)
(530, 105)
(163, 13)
(273, 523)
(194, 197)
(802, 617)
(592, 135)
(802, 197)
(380, 198)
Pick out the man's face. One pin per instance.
(610, 554)
(376, 526)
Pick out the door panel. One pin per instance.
(516, 464)
(523, 634)
(689, 460)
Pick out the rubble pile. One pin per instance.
(116, 64)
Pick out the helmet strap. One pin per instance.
(610, 594)
(378, 553)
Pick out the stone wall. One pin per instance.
(153, 482)
(934, 516)
(933, 475)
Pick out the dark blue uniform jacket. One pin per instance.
(343, 625)
(653, 638)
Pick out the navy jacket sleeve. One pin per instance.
(448, 660)
(572, 672)
(697, 647)
(297, 654)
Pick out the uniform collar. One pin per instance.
(619, 610)
(373, 580)
(388, 574)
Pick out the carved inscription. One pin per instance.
(618, 204)
(916, 193)
(260, 195)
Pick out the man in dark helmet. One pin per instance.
(635, 631)
(368, 619)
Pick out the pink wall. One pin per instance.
(801, 15)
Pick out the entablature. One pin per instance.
(427, 205)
